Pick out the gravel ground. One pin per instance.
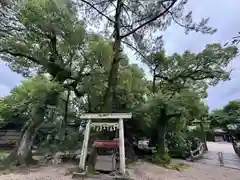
(140, 171)
(40, 173)
(197, 171)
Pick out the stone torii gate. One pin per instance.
(111, 126)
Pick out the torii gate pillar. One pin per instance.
(122, 147)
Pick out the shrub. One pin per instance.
(161, 159)
(181, 143)
(177, 144)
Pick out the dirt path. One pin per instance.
(140, 171)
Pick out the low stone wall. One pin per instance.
(8, 138)
(236, 147)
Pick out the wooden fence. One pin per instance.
(197, 153)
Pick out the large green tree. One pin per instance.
(164, 109)
(134, 24)
(195, 70)
(48, 37)
(130, 94)
(44, 37)
(190, 73)
(229, 114)
(29, 102)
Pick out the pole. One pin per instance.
(203, 136)
(85, 146)
(121, 147)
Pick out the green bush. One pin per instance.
(58, 141)
(181, 143)
(177, 144)
(161, 159)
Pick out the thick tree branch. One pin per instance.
(101, 13)
(76, 79)
(65, 118)
(164, 78)
(45, 63)
(53, 47)
(175, 20)
(134, 48)
(149, 21)
(132, 11)
(18, 54)
(146, 17)
(117, 25)
(174, 115)
(6, 29)
(78, 93)
(204, 74)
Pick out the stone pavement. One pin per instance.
(230, 159)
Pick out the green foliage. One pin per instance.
(100, 53)
(180, 140)
(128, 94)
(39, 23)
(197, 133)
(29, 94)
(229, 114)
(46, 37)
(227, 118)
(174, 114)
(51, 37)
(186, 104)
(179, 83)
(191, 70)
(161, 159)
(133, 23)
(178, 144)
(138, 20)
(232, 108)
(3, 155)
(55, 141)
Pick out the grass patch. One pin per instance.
(175, 166)
(3, 154)
(178, 167)
(131, 163)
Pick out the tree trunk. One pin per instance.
(22, 154)
(112, 79)
(112, 83)
(203, 137)
(154, 88)
(130, 152)
(65, 118)
(110, 93)
(161, 139)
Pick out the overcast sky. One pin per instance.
(224, 15)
